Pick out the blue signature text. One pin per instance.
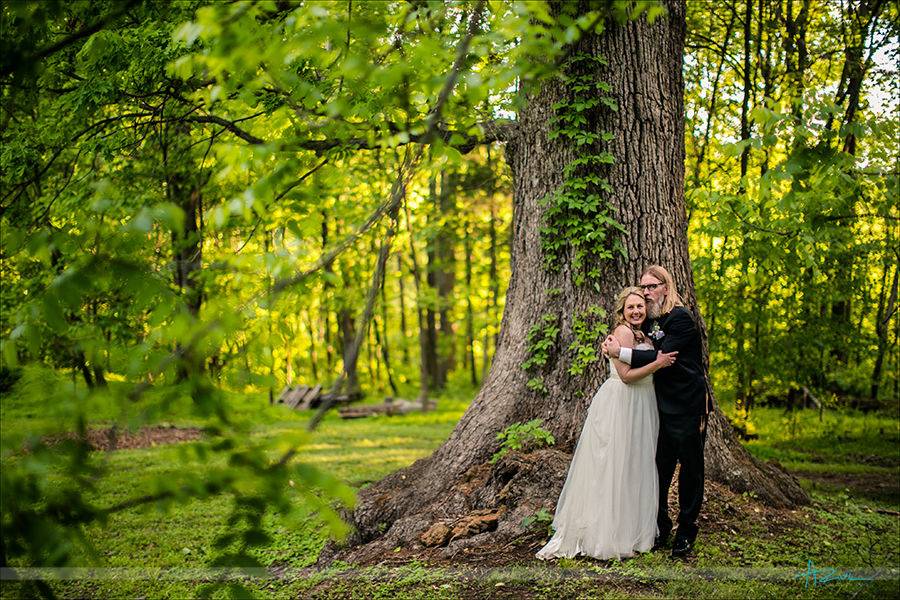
(826, 575)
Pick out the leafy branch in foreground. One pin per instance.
(256, 482)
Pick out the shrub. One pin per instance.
(523, 436)
(8, 378)
(541, 521)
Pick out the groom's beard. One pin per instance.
(652, 310)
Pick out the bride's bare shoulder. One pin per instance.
(625, 335)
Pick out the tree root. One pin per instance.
(414, 509)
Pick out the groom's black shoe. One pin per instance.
(662, 541)
(682, 547)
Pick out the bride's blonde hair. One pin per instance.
(620, 310)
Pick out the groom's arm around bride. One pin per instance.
(681, 388)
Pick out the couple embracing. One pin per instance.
(648, 416)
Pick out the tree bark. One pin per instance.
(81, 363)
(644, 70)
(347, 328)
(742, 382)
(470, 312)
(269, 328)
(346, 323)
(424, 373)
(865, 15)
(184, 190)
(862, 17)
(885, 312)
(445, 276)
(313, 340)
(490, 341)
(764, 58)
(796, 55)
(440, 277)
(381, 339)
(429, 335)
(324, 311)
(404, 347)
(748, 86)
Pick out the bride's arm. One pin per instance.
(630, 374)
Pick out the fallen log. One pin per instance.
(390, 407)
(304, 397)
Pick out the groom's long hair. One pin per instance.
(672, 297)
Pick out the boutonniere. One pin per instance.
(656, 333)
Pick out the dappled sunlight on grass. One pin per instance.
(181, 534)
(357, 467)
(322, 447)
(384, 443)
(799, 437)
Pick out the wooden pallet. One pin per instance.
(300, 397)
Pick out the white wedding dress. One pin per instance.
(607, 507)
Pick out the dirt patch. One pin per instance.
(121, 439)
(476, 582)
(875, 486)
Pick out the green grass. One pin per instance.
(834, 451)
(838, 438)
(356, 451)
(843, 527)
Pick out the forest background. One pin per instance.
(195, 197)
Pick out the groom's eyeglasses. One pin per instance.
(649, 287)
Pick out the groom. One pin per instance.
(682, 401)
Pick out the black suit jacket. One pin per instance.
(681, 388)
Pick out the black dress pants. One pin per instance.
(680, 440)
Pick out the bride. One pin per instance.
(607, 508)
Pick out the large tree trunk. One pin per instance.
(644, 70)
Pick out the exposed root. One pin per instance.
(480, 519)
(489, 503)
(728, 462)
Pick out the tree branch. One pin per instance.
(499, 130)
(19, 187)
(405, 174)
(229, 125)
